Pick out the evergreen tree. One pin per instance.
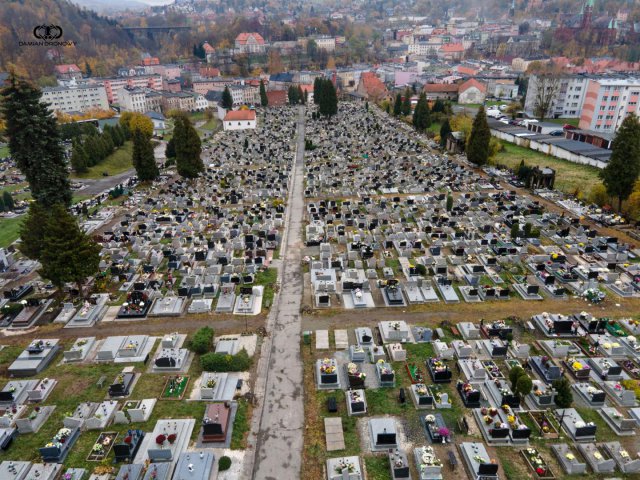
(564, 397)
(421, 114)
(478, 144)
(90, 148)
(264, 100)
(188, 148)
(316, 90)
(227, 99)
(108, 143)
(170, 150)
(292, 93)
(7, 199)
(67, 253)
(438, 106)
(34, 142)
(406, 103)
(143, 158)
(87, 69)
(119, 134)
(2, 207)
(623, 169)
(445, 130)
(301, 98)
(397, 106)
(329, 101)
(78, 157)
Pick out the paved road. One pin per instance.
(277, 427)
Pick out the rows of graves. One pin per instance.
(469, 407)
(185, 247)
(127, 435)
(392, 223)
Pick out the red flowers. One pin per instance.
(160, 439)
(540, 471)
(172, 438)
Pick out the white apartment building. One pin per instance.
(424, 48)
(132, 99)
(76, 97)
(569, 100)
(325, 43)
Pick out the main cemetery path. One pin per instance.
(277, 425)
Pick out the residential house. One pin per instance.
(371, 87)
(505, 89)
(132, 99)
(280, 81)
(472, 91)
(239, 120)
(451, 51)
(277, 98)
(178, 101)
(67, 72)
(204, 85)
(250, 43)
(442, 91)
(172, 85)
(159, 122)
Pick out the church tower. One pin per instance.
(587, 13)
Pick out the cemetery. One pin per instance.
(445, 302)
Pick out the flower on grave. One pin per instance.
(480, 459)
(506, 408)
(97, 448)
(428, 457)
(67, 476)
(128, 439)
(618, 386)
(540, 471)
(172, 438)
(487, 419)
(421, 389)
(597, 455)
(343, 465)
(570, 456)
(211, 383)
(443, 432)
(381, 360)
(160, 439)
(430, 418)
(352, 368)
(624, 454)
(546, 429)
(12, 389)
(395, 325)
(493, 411)
(511, 419)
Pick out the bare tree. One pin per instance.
(547, 88)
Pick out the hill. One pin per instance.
(96, 39)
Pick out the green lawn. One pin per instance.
(210, 125)
(435, 128)
(564, 121)
(4, 151)
(268, 279)
(9, 230)
(118, 162)
(569, 176)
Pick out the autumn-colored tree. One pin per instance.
(133, 121)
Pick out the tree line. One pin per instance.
(90, 150)
(49, 233)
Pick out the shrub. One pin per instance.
(224, 464)
(564, 398)
(524, 385)
(218, 362)
(202, 341)
(514, 374)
